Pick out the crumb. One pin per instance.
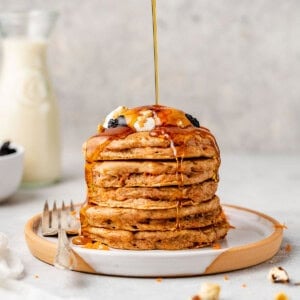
(226, 277)
(288, 248)
(196, 297)
(159, 279)
(73, 213)
(36, 276)
(281, 296)
(278, 275)
(244, 285)
(231, 226)
(280, 226)
(216, 246)
(209, 291)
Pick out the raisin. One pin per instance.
(193, 120)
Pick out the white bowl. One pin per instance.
(11, 171)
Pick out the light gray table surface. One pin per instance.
(267, 183)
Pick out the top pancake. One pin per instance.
(166, 143)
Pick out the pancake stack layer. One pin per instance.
(152, 175)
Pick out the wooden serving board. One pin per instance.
(255, 238)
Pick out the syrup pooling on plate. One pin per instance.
(88, 243)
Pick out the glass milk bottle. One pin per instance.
(28, 107)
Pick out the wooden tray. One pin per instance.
(255, 239)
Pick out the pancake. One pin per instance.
(119, 168)
(151, 173)
(152, 197)
(100, 215)
(187, 142)
(186, 222)
(160, 240)
(148, 180)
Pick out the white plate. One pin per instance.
(254, 239)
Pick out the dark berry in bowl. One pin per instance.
(11, 169)
(6, 149)
(193, 120)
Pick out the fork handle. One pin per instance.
(65, 257)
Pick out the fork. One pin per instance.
(61, 221)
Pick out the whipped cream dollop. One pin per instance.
(146, 118)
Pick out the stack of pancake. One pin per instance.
(152, 175)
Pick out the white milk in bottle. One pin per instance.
(28, 108)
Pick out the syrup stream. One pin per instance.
(155, 51)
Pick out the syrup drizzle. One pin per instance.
(96, 144)
(179, 157)
(179, 176)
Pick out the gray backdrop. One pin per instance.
(234, 64)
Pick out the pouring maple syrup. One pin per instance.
(155, 51)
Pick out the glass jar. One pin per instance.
(28, 106)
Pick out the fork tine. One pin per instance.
(54, 216)
(72, 213)
(73, 221)
(59, 223)
(72, 206)
(45, 218)
(64, 216)
(46, 206)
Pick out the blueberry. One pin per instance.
(5, 149)
(120, 121)
(193, 120)
(112, 123)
